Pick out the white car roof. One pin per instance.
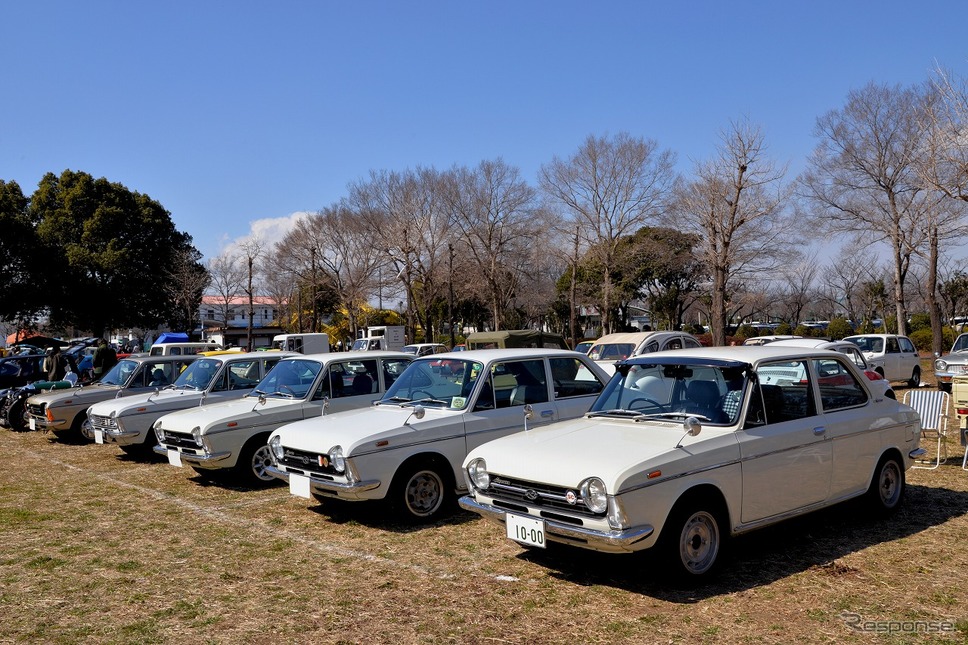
(485, 355)
(743, 353)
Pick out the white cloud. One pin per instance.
(269, 230)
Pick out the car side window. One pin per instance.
(239, 375)
(519, 382)
(392, 368)
(786, 390)
(892, 347)
(906, 345)
(690, 342)
(838, 387)
(572, 378)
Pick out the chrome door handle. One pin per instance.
(819, 430)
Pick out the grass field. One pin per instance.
(100, 547)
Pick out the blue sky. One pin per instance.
(237, 115)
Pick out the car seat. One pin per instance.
(158, 378)
(702, 397)
(362, 384)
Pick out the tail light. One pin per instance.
(872, 375)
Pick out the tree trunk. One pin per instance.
(934, 308)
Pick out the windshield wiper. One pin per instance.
(675, 415)
(618, 412)
(396, 399)
(429, 400)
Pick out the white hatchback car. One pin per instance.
(737, 439)
(879, 384)
(893, 356)
(230, 437)
(408, 448)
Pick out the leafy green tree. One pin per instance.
(109, 251)
(839, 328)
(22, 295)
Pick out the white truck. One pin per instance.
(381, 337)
(302, 343)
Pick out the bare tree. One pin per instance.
(863, 175)
(797, 289)
(610, 188)
(496, 215)
(228, 283)
(186, 284)
(408, 221)
(252, 252)
(736, 208)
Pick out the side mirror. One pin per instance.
(692, 427)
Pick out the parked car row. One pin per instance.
(678, 451)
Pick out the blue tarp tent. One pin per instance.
(172, 337)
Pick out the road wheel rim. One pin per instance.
(890, 484)
(424, 493)
(261, 460)
(699, 543)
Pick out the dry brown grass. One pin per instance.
(98, 547)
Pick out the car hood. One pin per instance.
(955, 357)
(243, 413)
(621, 452)
(360, 430)
(160, 402)
(87, 394)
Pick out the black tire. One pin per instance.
(945, 387)
(254, 458)
(693, 541)
(421, 492)
(915, 380)
(17, 416)
(887, 485)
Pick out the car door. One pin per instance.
(498, 409)
(893, 370)
(909, 357)
(786, 457)
(847, 424)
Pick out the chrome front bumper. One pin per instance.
(330, 488)
(202, 461)
(614, 541)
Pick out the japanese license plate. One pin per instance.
(174, 458)
(299, 485)
(526, 530)
(98, 436)
(33, 423)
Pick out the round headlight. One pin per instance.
(197, 435)
(593, 494)
(159, 432)
(336, 459)
(477, 471)
(275, 446)
(940, 365)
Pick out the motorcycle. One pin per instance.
(13, 401)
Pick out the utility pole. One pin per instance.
(574, 270)
(450, 295)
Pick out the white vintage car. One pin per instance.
(408, 448)
(684, 449)
(230, 437)
(210, 379)
(64, 412)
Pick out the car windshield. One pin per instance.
(961, 343)
(289, 379)
(120, 373)
(713, 393)
(434, 382)
(198, 375)
(872, 344)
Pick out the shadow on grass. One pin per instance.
(759, 558)
(377, 514)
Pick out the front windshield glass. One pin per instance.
(198, 375)
(438, 383)
(961, 343)
(711, 393)
(289, 379)
(120, 373)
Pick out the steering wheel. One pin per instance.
(644, 399)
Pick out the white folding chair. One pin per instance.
(932, 407)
